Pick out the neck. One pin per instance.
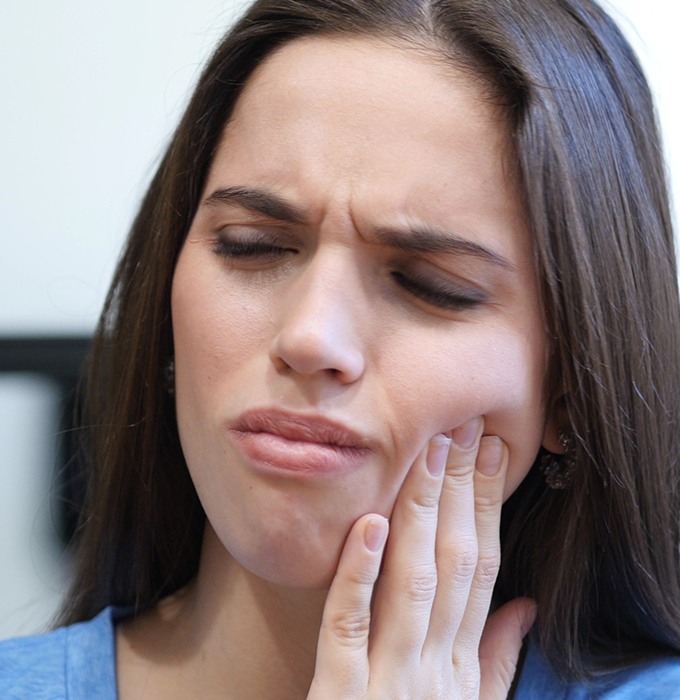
(229, 632)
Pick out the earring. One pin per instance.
(559, 469)
(169, 376)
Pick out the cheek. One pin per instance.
(215, 327)
(499, 376)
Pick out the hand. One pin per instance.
(426, 635)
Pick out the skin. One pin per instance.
(326, 320)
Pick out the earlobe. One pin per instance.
(556, 425)
(558, 462)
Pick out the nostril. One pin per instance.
(320, 327)
(315, 353)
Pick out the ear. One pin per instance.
(557, 421)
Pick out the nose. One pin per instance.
(320, 326)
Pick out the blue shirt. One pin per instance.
(79, 663)
(653, 680)
(71, 663)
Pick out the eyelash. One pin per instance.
(456, 300)
(417, 285)
(249, 250)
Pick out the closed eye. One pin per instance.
(232, 249)
(440, 294)
(250, 248)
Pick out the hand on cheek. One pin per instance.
(414, 628)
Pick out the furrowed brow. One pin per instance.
(422, 239)
(257, 200)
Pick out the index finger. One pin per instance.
(342, 653)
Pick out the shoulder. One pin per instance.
(650, 680)
(33, 667)
(72, 662)
(659, 678)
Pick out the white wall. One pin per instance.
(90, 92)
(651, 26)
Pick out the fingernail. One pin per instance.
(437, 452)
(490, 455)
(375, 534)
(465, 435)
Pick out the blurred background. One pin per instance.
(91, 92)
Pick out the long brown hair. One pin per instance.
(601, 557)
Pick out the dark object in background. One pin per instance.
(60, 359)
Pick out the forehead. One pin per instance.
(379, 129)
(357, 63)
(377, 88)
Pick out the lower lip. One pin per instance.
(297, 457)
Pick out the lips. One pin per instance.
(298, 444)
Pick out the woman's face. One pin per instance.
(358, 277)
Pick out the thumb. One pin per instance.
(501, 644)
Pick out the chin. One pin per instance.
(294, 565)
(297, 577)
(283, 557)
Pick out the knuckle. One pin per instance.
(459, 560)
(437, 689)
(349, 628)
(425, 504)
(488, 566)
(468, 679)
(469, 686)
(487, 505)
(461, 475)
(420, 584)
(361, 578)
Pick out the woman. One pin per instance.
(402, 260)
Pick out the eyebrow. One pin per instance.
(261, 201)
(410, 239)
(425, 239)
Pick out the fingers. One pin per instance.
(489, 479)
(468, 553)
(409, 578)
(434, 591)
(501, 645)
(457, 547)
(342, 652)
